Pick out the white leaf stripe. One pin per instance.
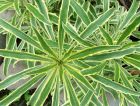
(21, 55)
(16, 77)
(17, 93)
(37, 14)
(114, 85)
(93, 50)
(92, 27)
(80, 11)
(62, 19)
(8, 27)
(71, 93)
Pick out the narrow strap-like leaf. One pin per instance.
(116, 72)
(127, 83)
(17, 93)
(16, 77)
(53, 18)
(19, 34)
(92, 50)
(104, 98)
(93, 70)
(92, 27)
(132, 11)
(71, 93)
(10, 46)
(43, 90)
(114, 85)
(86, 98)
(21, 55)
(43, 9)
(55, 101)
(74, 72)
(43, 43)
(106, 36)
(17, 6)
(80, 11)
(5, 6)
(62, 19)
(75, 36)
(111, 55)
(37, 14)
(133, 61)
(129, 29)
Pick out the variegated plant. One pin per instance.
(75, 51)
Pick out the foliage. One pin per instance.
(72, 47)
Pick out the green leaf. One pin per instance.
(19, 34)
(129, 30)
(75, 35)
(93, 70)
(62, 19)
(106, 36)
(116, 72)
(76, 74)
(133, 61)
(56, 96)
(105, 101)
(43, 9)
(87, 98)
(93, 26)
(128, 84)
(17, 93)
(5, 6)
(80, 11)
(17, 6)
(111, 55)
(16, 77)
(43, 90)
(21, 55)
(106, 4)
(53, 18)
(44, 43)
(37, 14)
(132, 11)
(71, 93)
(114, 85)
(92, 50)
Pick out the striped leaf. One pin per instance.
(17, 93)
(133, 61)
(129, 30)
(37, 14)
(5, 6)
(43, 43)
(55, 101)
(43, 9)
(75, 36)
(21, 55)
(80, 11)
(71, 93)
(16, 77)
(91, 51)
(78, 76)
(132, 11)
(93, 26)
(106, 36)
(93, 70)
(63, 17)
(114, 85)
(43, 90)
(8, 27)
(111, 55)
(86, 98)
